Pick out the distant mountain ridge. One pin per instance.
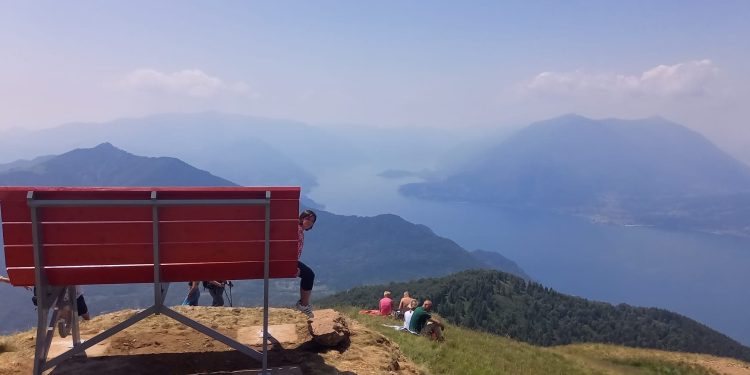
(106, 165)
(24, 164)
(247, 150)
(498, 262)
(503, 304)
(353, 250)
(623, 171)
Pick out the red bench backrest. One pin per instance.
(114, 245)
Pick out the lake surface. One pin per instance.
(702, 276)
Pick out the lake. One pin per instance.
(702, 276)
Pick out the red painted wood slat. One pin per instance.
(141, 232)
(145, 273)
(280, 209)
(13, 206)
(89, 255)
(277, 192)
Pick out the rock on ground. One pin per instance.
(328, 328)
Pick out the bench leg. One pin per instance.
(73, 307)
(100, 337)
(45, 327)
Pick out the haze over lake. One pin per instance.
(599, 148)
(634, 265)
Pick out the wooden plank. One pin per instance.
(24, 276)
(19, 212)
(80, 233)
(124, 254)
(141, 232)
(177, 189)
(239, 192)
(280, 209)
(231, 193)
(14, 207)
(226, 231)
(227, 271)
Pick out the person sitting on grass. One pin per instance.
(386, 304)
(407, 315)
(403, 305)
(423, 323)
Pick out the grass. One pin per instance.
(470, 352)
(661, 367)
(624, 360)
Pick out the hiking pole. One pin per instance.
(229, 296)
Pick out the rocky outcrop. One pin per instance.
(328, 328)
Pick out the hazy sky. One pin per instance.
(423, 63)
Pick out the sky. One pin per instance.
(457, 65)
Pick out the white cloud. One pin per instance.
(188, 82)
(692, 78)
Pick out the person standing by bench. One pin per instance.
(66, 315)
(194, 293)
(216, 289)
(306, 221)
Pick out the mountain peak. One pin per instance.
(570, 117)
(107, 165)
(608, 167)
(105, 146)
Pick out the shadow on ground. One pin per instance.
(195, 362)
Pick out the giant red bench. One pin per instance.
(58, 237)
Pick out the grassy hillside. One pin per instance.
(159, 345)
(506, 305)
(470, 352)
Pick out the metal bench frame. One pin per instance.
(51, 297)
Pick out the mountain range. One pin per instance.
(244, 149)
(344, 251)
(637, 172)
(106, 165)
(617, 263)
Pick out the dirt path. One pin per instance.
(725, 366)
(160, 345)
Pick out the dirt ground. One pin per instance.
(161, 345)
